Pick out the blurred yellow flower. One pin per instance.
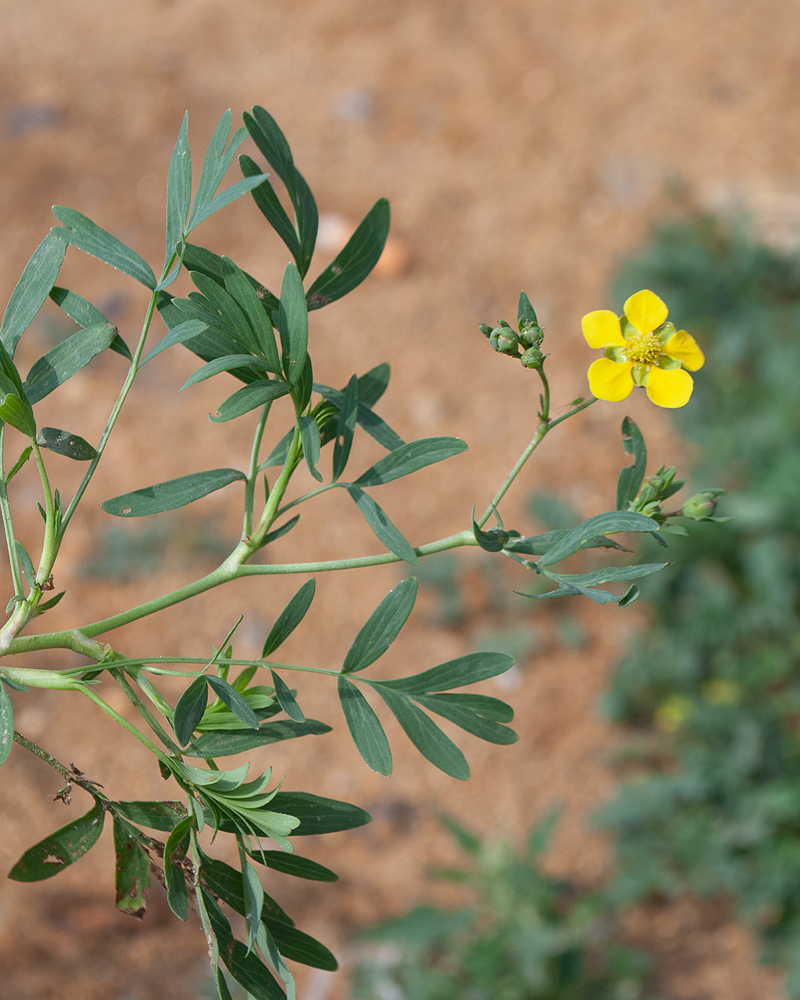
(672, 713)
(643, 349)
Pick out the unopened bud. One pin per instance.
(531, 335)
(504, 340)
(532, 358)
(702, 506)
(485, 330)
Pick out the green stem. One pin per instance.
(252, 477)
(120, 401)
(8, 526)
(126, 725)
(145, 713)
(51, 539)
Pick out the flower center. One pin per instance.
(643, 348)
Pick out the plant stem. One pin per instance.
(103, 706)
(8, 526)
(126, 387)
(252, 477)
(70, 774)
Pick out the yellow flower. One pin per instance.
(672, 713)
(641, 349)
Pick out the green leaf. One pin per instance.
(298, 946)
(225, 310)
(225, 744)
(26, 563)
(610, 574)
(375, 426)
(426, 736)
(33, 287)
(382, 627)
(189, 709)
(240, 288)
(273, 536)
(309, 435)
(293, 324)
(483, 705)
(365, 728)
(525, 311)
(631, 476)
(598, 596)
(171, 494)
(6, 724)
(269, 205)
(469, 669)
(278, 454)
(249, 397)
(384, 529)
(199, 259)
(66, 359)
(466, 719)
(25, 454)
(219, 365)
(355, 261)
(235, 702)
(16, 410)
(318, 814)
(216, 162)
(46, 605)
(131, 869)
(493, 540)
(154, 815)
(89, 237)
(537, 545)
(61, 849)
(85, 314)
(179, 190)
(174, 874)
(271, 142)
(291, 616)
(600, 524)
(291, 864)
(64, 443)
(348, 414)
(180, 334)
(305, 210)
(245, 966)
(253, 901)
(409, 458)
(286, 699)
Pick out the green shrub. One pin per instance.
(714, 686)
(526, 937)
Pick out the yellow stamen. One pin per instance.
(643, 348)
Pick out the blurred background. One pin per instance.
(525, 145)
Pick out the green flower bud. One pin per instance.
(702, 506)
(485, 330)
(504, 340)
(531, 335)
(532, 358)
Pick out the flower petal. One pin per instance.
(610, 380)
(670, 389)
(683, 346)
(646, 311)
(601, 329)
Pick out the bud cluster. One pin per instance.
(523, 343)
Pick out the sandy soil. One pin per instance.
(522, 144)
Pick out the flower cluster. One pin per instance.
(641, 348)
